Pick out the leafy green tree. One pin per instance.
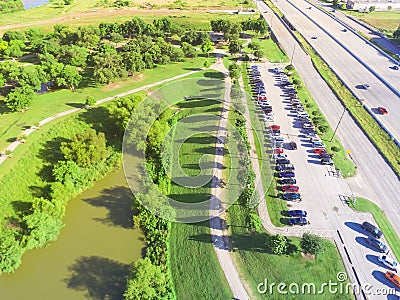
(206, 64)
(134, 27)
(90, 101)
(10, 251)
(278, 244)
(88, 37)
(15, 49)
(122, 109)
(30, 78)
(254, 222)
(73, 55)
(107, 66)
(146, 281)
(189, 37)
(2, 80)
(11, 71)
(133, 61)
(188, 50)
(177, 55)
(234, 46)
(20, 98)
(259, 54)
(207, 47)
(14, 35)
(67, 171)
(71, 77)
(312, 244)
(371, 8)
(86, 148)
(116, 37)
(3, 46)
(234, 71)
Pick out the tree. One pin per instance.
(146, 281)
(121, 110)
(234, 46)
(189, 37)
(10, 251)
(67, 172)
(116, 37)
(277, 244)
(234, 71)
(73, 55)
(88, 37)
(90, 101)
(259, 54)
(335, 3)
(107, 66)
(11, 71)
(2, 80)
(207, 47)
(13, 35)
(254, 222)
(312, 244)
(206, 64)
(30, 78)
(188, 50)
(71, 77)
(86, 148)
(135, 27)
(371, 8)
(396, 33)
(15, 49)
(20, 98)
(177, 55)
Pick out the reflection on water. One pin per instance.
(91, 257)
(33, 3)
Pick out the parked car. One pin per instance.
(290, 188)
(393, 278)
(307, 126)
(372, 229)
(318, 144)
(286, 174)
(325, 155)
(284, 168)
(293, 145)
(287, 181)
(291, 196)
(319, 150)
(327, 161)
(389, 262)
(298, 221)
(382, 110)
(267, 109)
(277, 151)
(269, 117)
(297, 213)
(275, 127)
(284, 161)
(381, 247)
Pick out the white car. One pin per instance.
(269, 118)
(389, 262)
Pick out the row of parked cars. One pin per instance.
(283, 166)
(307, 126)
(373, 239)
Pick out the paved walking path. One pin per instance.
(218, 224)
(28, 131)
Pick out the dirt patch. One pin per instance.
(307, 256)
(112, 86)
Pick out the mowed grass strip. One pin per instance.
(260, 266)
(194, 265)
(273, 52)
(383, 222)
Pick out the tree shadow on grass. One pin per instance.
(21, 208)
(98, 277)
(118, 202)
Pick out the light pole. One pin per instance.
(294, 48)
(341, 117)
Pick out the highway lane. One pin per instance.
(375, 180)
(348, 67)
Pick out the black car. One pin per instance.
(372, 229)
(377, 244)
(289, 167)
(293, 145)
(288, 181)
(327, 161)
(297, 213)
(291, 196)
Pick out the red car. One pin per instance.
(275, 127)
(382, 110)
(290, 188)
(262, 98)
(319, 150)
(278, 151)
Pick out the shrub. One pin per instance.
(277, 244)
(312, 244)
(335, 148)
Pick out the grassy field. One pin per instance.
(257, 264)
(80, 15)
(46, 105)
(385, 21)
(272, 51)
(390, 234)
(194, 265)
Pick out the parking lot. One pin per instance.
(323, 193)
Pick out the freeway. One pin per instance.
(356, 61)
(375, 180)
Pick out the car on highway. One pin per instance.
(293, 145)
(287, 181)
(382, 110)
(389, 262)
(375, 231)
(344, 30)
(365, 86)
(290, 188)
(395, 67)
(314, 37)
(291, 196)
(381, 247)
(286, 174)
(297, 213)
(298, 221)
(393, 278)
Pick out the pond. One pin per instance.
(90, 259)
(33, 3)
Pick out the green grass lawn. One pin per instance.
(385, 21)
(46, 105)
(256, 264)
(390, 234)
(272, 51)
(193, 263)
